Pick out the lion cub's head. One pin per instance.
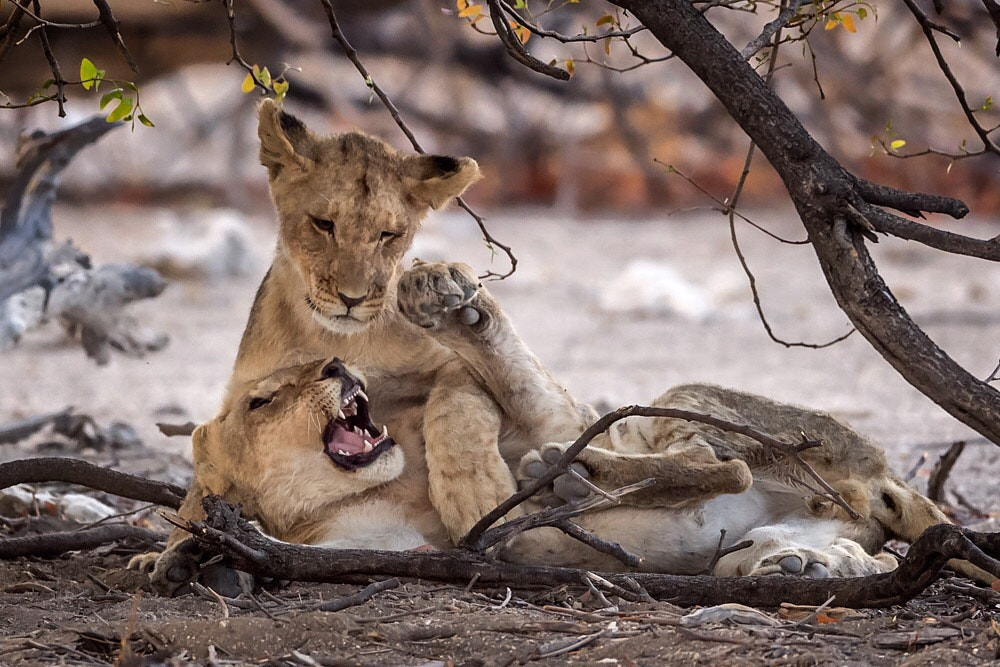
(349, 205)
(295, 445)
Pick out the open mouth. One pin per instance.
(351, 440)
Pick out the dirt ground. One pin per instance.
(606, 327)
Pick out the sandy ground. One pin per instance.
(555, 299)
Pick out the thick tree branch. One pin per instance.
(516, 49)
(821, 190)
(940, 239)
(911, 203)
(771, 29)
(74, 471)
(225, 532)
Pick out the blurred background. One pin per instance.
(627, 282)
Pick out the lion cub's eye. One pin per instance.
(259, 402)
(385, 237)
(325, 226)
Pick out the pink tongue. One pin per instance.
(342, 440)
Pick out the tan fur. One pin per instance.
(272, 461)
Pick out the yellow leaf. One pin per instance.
(248, 84)
(607, 46)
(897, 144)
(832, 22)
(569, 66)
(522, 32)
(471, 10)
(607, 18)
(461, 4)
(848, 23)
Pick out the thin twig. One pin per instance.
(721, 551)
(352, 55)
(943, 467)
(599, 543)
(362, 596)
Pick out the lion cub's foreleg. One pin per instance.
(448, 301)
(467, 475)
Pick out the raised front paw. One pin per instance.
(565, 488)
(432, 295)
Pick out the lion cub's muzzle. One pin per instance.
(351, 439)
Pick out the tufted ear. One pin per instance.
(434, 179)
(284, 139)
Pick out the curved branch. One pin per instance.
(516, 49)
(911, 203)
(224, 531)
(54, 544)
(74, 471)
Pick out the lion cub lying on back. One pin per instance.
(301, 453)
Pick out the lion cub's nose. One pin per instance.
(350, 301)
(335, 370)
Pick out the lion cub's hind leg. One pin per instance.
(684, 475)
(806, 547)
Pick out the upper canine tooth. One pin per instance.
(362, 394)
(341, 415)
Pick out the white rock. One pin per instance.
(650, 287)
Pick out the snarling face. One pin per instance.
(349, 205)
(297, 443)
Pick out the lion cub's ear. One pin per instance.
(434, 179)
(284, 139)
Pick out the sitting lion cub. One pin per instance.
(300, 451)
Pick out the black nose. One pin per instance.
(350, 301)
(335, 370)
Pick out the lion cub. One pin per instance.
(301, 451)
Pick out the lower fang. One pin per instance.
(368, 446)
(385, 431)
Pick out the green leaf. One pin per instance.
(265, 77)
(88, 73)
(48, 84)
(145, 121)
(123, 109)
(862, 13)
(115, 94)
(280, 89)
(131, 86)
(520, 4)
(987, 104)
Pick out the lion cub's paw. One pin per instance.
(842, 558)
(144, 562)
(564, 488)
(432, 295)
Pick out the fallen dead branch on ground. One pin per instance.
(74, 471)
(225, 532)
(42, 280)
(54, 544)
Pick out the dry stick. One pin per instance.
(352, 55)
(53, 544)
(939, 475)
(224, 531)
(50, 57)
(74, 471)
(556, 516)
(16, 431)
(111, 25)
(473, 539)
(600, 544)
(772, 30)
(362, 596)
(721, 552)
